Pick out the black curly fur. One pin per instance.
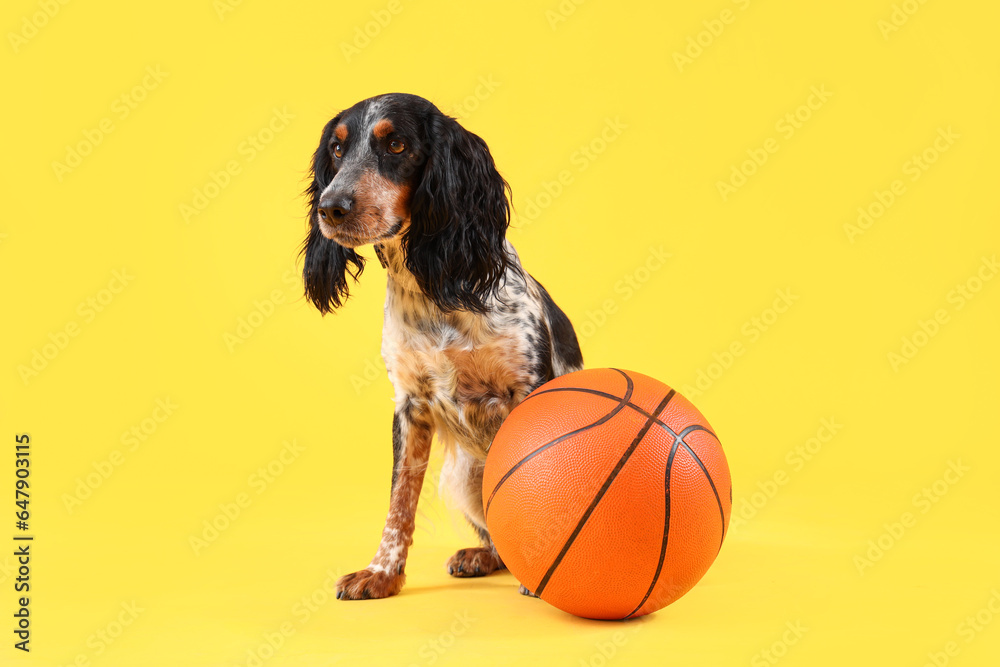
(327, 263)
(459, 214)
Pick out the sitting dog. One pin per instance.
(468, 333)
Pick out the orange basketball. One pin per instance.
(607, 493)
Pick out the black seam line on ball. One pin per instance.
(666, 527)
(722, 515)
(637, 408)
(604, 489)
(678, 442)
(621, 405)
(585, 390)
(704, 470)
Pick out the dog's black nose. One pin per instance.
(334, 210)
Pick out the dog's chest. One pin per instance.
(467, 370)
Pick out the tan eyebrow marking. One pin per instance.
(340, 132)
(383, 128)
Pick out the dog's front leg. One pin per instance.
(411, 445)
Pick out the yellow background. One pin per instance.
(553, 88)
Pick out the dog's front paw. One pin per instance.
(369, 584)
(475, 562)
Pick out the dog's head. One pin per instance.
(393, 168)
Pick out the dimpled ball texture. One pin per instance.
(607, 493)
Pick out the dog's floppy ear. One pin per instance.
(327, 263)
(459, 215)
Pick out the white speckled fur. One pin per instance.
(456, 374)
(427, 354)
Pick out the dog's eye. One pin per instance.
(338, 150)
(396, 146)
